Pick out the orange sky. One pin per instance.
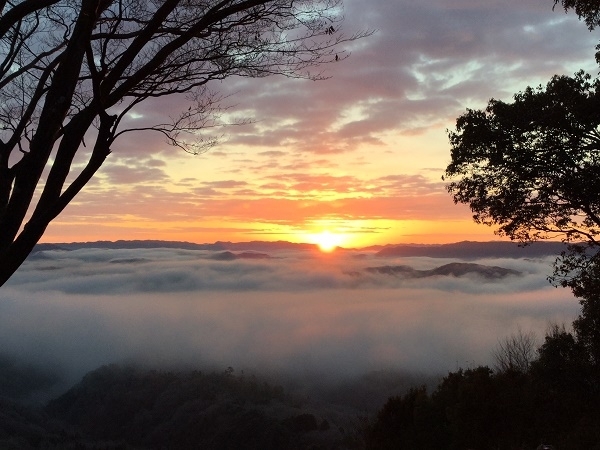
(359, 156)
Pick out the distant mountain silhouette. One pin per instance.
(130, 245)
(453, 269)
(230, 256)
(265, 246)
(473, 250)
(217, 246)
(463, 250)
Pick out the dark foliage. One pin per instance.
(477, 408)
(411, 421)
(588, 10)
(22, 382)
(532, 166)
(581, 273)
(568, 406)
(153, 409)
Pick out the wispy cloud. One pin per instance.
(346, 147)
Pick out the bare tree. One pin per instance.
(515, 352)
(71, 71)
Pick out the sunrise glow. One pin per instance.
(354, 160)
(328, 241)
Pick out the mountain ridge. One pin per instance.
(454, 269)
(463, 249)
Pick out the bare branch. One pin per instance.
(69, 67)
(20, 11)
(515, 352)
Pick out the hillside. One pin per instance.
(122, 407)
(453, 269)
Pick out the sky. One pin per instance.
(356, 159)
(307, 314)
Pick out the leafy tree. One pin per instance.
(561, 362)
(589, 10)
(71, 72)
(532, 168)
(473, 408)
(581, 272)
(410, 421)
(567, 394)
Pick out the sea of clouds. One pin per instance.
(298, 312)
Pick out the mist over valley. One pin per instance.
(291, 311)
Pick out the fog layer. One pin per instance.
(296, 313)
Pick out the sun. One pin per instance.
(327, 241)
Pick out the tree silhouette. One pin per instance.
(71, 72)
(589, 10)
(515, 352)
(532, 168)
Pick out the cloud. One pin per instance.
(299, 313)
(292, 197)
(427, 61)
(328, 149)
